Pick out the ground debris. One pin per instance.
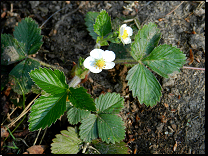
(36, 149)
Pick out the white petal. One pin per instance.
(109, 56)
(94, 70)
(121, 30)
(124, 26)
(109, 65)
(129, 31)
(122, 40)
(97, 53)
(127, 40)
(88, 62)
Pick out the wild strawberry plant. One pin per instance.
(99, 118)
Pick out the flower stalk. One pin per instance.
(97, 46)
(75, 81)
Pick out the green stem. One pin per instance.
(97, 46)
(75, 81)
(85, 147)
(126, 61)
(48, 65)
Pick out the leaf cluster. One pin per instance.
(98, 119)
(163, 59)
(26, 41)
(99, 26)
(103, 123)
(47, 109)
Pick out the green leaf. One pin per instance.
(145, 41)
(104, 148)
(88, 128)
(75, 115)
(66, 143)
(81, 99)
(28, 33)
(11, 51)
(110, 128)
(102, 24)
(90, 21)
(109, 103)
(144, 85)
(20, 73)
(53, 82)
(46, 110)
(165, 59)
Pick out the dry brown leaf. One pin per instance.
(191, 57)
(20, 134)
(7, 91)
(4, 132)
(36, 149)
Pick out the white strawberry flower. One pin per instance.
(124, 34)
(99, 59)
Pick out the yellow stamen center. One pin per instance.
(125, 34)
(99, 63)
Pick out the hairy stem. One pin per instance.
(75, 81)
(49, 66)
(193, 68)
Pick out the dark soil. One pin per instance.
(176, 125)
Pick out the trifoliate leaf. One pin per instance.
(88, 128)
(102, 24)
(90, 21)
(144, 85)
(11, 50)
(53, 82)
(75, 115)
(28, 33)
(104, 148)
(66, 143)
(81, 99)
(110, 128)
(46, 110)
(20, 73)
(165, 59)
(145, 41)
(109, 103)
